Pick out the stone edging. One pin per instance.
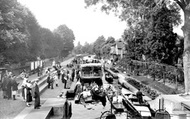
(124, 82)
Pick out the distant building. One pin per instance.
(118, 49)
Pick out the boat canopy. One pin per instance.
(91, 71)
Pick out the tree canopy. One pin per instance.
(68, 38)
(98, 45)
(22, 39)
(150, 27)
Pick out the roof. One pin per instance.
(3, 68)
(120, 44)
(90, 64)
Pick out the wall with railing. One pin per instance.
(157, 71)
(31, 67)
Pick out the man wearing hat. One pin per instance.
(36, 95)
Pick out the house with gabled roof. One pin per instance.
(118, 49)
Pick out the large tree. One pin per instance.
(106, 46)
(185, 6)
(159, 40)
(87, 48)
(98, 45)
(68, 38)
(78, 48)
(49, 42)
(33, 28)
(22, 39)
(128, 6)
(12, 28)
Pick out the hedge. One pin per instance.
(155, 70)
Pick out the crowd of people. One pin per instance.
(30, 90)
(9, 86)
(67, 77)
(64, 75)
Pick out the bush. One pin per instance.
(147, 90)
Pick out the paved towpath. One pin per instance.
(9, 108)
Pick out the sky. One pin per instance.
(87, 24)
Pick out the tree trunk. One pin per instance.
(186, 57)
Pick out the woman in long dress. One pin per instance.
(28, 93)
(24, 83)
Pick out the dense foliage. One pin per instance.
(150, 28)
(161, 42)
(22, 39)
(100, 47)
(106, 47)
(153, 35)
(83, 49)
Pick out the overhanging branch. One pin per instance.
(181, 3)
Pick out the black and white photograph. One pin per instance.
(94, 59)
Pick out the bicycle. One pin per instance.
(111, 114)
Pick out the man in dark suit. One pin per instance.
(36, 95)
(139, 96)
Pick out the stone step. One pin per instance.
(52, 106)
(42, 113)
(27, 110)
